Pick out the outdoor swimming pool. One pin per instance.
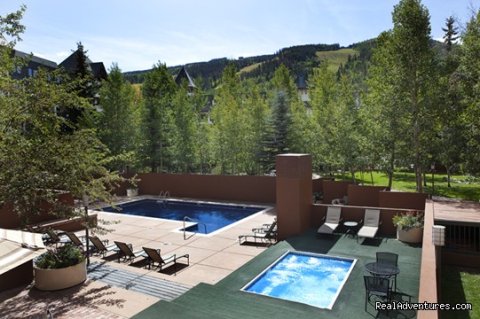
(311, 279)
(206, 216)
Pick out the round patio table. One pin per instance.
(383, 270)
(351, 225)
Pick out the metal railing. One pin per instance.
(194, 221)
(463, 238)
(164, 194)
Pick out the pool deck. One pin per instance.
(225, 300)
(219, 268)
(212, 258)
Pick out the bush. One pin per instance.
(65, 256)
(408, 220)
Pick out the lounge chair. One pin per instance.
(100, 247)
(50, 236)
(125, 251)
(270, 234)
(266, 227)
(154, 256)
(75, 240)
(332, 220)
(371, 223)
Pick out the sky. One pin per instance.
(138, 34)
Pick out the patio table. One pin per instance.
(350, 225)
(383, 270)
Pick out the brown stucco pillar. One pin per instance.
(293, 193)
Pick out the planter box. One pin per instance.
(413, 235)
(132, 192)
(61, 278)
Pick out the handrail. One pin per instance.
(185, 218)
(164, 194)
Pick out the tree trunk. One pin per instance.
(391, 167)
(448, 176)
(425, 179)
(416, 137)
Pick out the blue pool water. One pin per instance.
(315, 280)
(210, 217)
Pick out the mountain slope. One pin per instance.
(299, 59)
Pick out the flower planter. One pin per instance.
(61, 278)
(412, 235)
(131, 192)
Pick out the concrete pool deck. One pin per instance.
(219, 268)
(212, 258)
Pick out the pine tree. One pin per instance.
(281, 122)
(451, 32)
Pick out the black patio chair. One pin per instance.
(268, 235)
(266, 227)
(377, 286)
(126, 252)
(388, 259)
(76, 240)
(101, 247)
(154, 256)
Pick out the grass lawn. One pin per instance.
(461, 285)
(335, 57)
(405, 181)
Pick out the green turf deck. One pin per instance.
(225, 300)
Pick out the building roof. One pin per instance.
(70, 63)
(183, 75)
(97, 68)
(32, 58)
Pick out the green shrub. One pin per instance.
(65, 256)
(408, 220)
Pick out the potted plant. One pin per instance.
(60, 268)
(409, 226)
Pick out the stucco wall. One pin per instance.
(259, 189)
(407, 200)
(334, 189)
(359, 195)
(9, 219)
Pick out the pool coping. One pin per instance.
(298, 252)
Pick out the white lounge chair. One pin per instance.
(332, 220)
(371, 223)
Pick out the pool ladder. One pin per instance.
(185, 219)
(164, 194)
